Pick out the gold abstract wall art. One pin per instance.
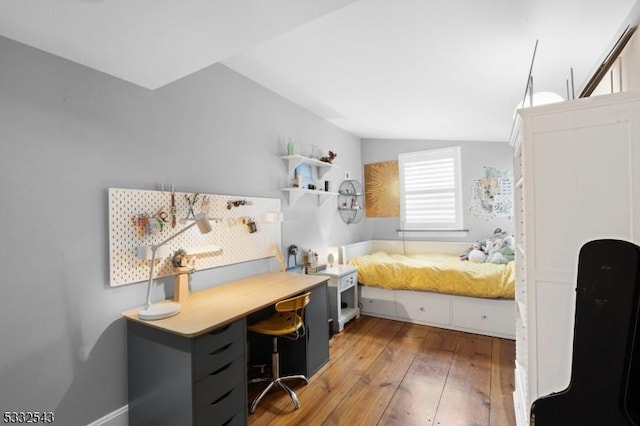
(381, 188)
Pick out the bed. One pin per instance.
(427, 283)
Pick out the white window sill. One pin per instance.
(439, 233)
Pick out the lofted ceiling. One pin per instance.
(401, 69)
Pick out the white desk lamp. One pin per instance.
(169, 309)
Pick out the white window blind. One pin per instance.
(430, 193)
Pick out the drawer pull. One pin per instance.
(421, 309)
(484, 317)
(228, 422)
(222, 349)
(221, 369)
(221, 398)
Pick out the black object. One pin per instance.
(303, 356)
(605, 377)
(292, 251)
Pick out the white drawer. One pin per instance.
(486, 315)
(375, 301)
(346, 281)
(423, 307)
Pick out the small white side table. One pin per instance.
(343, 289)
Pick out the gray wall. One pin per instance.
(475, 156)
(67, 133)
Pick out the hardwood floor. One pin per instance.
(384, 372)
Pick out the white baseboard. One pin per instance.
(115, 418)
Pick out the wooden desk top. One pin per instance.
(214, 307)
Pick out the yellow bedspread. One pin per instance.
(438, 273)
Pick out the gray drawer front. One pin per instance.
(219, 382)
(237, 419)
(217, 413)
(217, 349)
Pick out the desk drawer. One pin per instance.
(218, 348)
(347, 281)
(220, 412)
(215, 385)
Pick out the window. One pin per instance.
(430, 190)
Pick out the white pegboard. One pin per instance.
(230, 234)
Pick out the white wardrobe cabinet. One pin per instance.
(577, 174)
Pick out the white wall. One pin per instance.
(67, 133)
(475, 156)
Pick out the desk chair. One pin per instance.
(287, 322)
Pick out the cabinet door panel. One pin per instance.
(554, 335)
(317, 320)
(308, 354)
(578, 201)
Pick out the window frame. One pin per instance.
(454, 153)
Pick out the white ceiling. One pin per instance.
(414, 69)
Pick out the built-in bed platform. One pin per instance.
(480, 315)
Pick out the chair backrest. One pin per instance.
(296, 306)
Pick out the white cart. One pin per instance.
(343, 294)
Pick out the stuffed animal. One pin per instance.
(497, 249)
(500, 253)
(476, 254)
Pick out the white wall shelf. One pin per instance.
(322, 167)
(296, 193)
(350, 201)
(295, 160)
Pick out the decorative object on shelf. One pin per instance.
(329, 158)
(310, 258)
(350, 201)
(291, 147)
(168, 309)
(304, 176)
(313, 151)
